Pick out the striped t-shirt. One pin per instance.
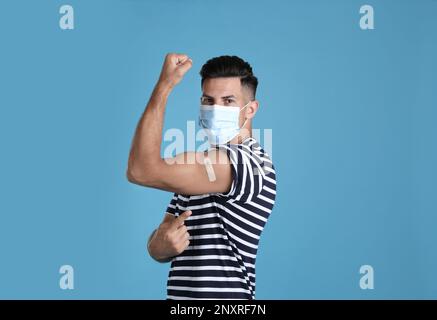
(224, 230)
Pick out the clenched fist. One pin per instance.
(174, 68)
(171, 238)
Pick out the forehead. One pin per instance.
(226, 86)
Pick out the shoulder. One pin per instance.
(251, 166)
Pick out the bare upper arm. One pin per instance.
(187, 173)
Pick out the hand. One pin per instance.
(171, 238)
(174, 68)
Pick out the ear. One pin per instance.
(251, 109)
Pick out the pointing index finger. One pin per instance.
(182, 217)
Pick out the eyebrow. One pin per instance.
(223, 98)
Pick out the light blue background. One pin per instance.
(353, 115)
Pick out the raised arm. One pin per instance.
(186, 173)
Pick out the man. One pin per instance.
(222, 197)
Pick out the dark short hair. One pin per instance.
(230, 66)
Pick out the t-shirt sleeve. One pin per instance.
(172, 207)
(247, 173)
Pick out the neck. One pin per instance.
(243, 135)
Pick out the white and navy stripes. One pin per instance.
(225, 230)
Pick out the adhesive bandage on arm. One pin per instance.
(209, 168)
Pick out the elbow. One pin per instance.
(136, 176)
(144, 175)
(131, 175)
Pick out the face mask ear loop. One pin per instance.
(246, 118)
(244, 123)
(246, 105)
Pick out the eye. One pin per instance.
(229, 101)
(206, 101)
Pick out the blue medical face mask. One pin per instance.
(221, 123)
